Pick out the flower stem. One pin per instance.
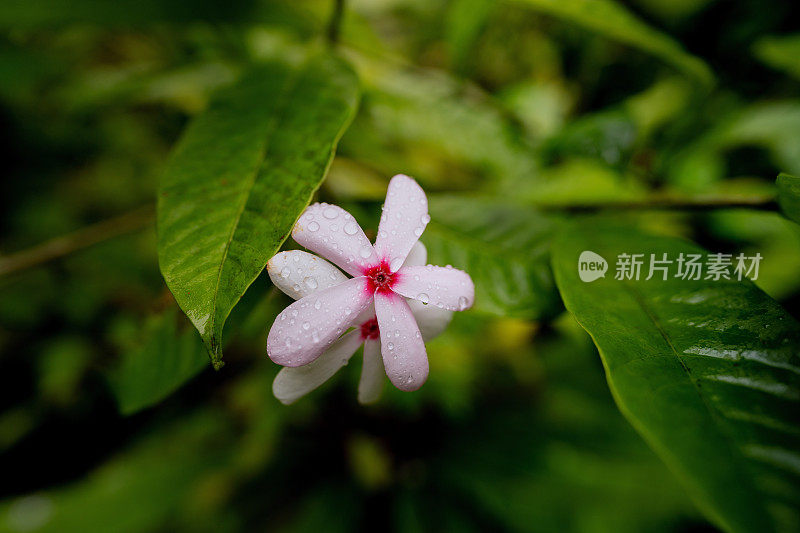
(335, 22)
(654, 203)
(77, 240)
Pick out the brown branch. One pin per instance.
(78, 240)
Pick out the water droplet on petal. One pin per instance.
(313, 226)
(285, 272)
(330, 212)
(366, 251)
(462, 303)
(306, 325)
(311, 283)
(418, 231)
(351, 228)
(424, 298)
(395, 264)
(390, 345)
(317, 304)
(426, 218)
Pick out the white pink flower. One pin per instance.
(384, 277)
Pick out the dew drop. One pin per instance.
(351, 228)
(285, 272)
(366, 251)
(426, 218)
(418, 231)
(313, 226)
(330, 212)
(311, 283)
(315, 336)
(395, 264)
(306, 325)
(390, 345)
(462, 303)
(317, 304)
(424, 298)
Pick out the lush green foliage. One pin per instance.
(521, 119)
(687, 354)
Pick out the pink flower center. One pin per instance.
(380, 277)
(369, 329)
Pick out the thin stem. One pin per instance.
(700, 203)
(335, 22)
(142, 217)
(78, 240)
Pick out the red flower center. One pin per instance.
(369, 329)
(380, 277)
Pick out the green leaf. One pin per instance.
(789, 195)
(613, 20)
(707, 371)
(166, 359)
(463, 24)
(780, 53)
(504, 249)
(242, 174)
(436, 127)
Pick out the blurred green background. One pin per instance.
(553, 103)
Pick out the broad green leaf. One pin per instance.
(780, 53)
(611, 19)
(166, 359)
(707, 371)
(502, 247)
(242, 174)
(789, 196)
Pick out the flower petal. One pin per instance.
(418, 255)
(299, 273)
(306, 328)
(405, 215)
(334, 234)
(431, 320)
(366, 314)
(445, 287)
(372, 373)
(402, 347)
(292, 383)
